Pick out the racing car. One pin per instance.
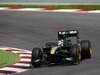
(68, 49)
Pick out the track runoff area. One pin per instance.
(21, 65)
(75, 8)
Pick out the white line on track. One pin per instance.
(68, 10)
(3, 48)
(27, 51)
(25, 59)
(21, 55)
(3, 8)
(30, 9)
(21, 64)
(47, 10)
(18, 70)
(94, 11)
(15, 51)
(21, 52)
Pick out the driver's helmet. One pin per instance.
(60, 42)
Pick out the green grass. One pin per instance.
(97, 7)
(7, 58)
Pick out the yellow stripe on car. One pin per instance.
(53, 50)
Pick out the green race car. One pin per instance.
(68, 49)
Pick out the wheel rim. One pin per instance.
(78, 56)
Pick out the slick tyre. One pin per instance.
(85, 49)
(36, 57)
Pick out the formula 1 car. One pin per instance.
(68, 49)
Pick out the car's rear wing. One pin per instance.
(70, 33)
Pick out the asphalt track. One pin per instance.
(30, 29)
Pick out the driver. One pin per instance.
(65, 42)
(60, 42)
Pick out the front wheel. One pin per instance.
(37, 56)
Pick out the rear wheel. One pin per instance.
(51, 44)
(36, 57)
(85, 49)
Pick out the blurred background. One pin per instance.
(52, 1)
